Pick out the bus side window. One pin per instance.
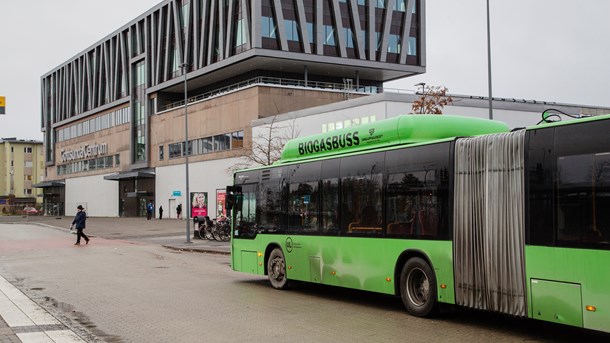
(330, 204)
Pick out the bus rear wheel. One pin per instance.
(276, 269)
(418, 287)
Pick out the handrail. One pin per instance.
(274, 81)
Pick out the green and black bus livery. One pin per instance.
(439, 209)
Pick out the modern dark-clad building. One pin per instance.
(114, 115)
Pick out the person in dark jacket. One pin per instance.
(79, 224)
(160, 212)
(179, 211)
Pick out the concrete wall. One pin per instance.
(100, 197)
(205, 176)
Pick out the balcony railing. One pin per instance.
(264, 80)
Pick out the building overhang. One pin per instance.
(131, 175)
(289, 62)
(47, 184)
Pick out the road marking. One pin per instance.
(30, 322)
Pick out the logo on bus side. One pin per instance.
(329, 143)
(290, 245)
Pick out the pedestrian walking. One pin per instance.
(79, 224)
(149, 210)
(179, 211)
(160, 212)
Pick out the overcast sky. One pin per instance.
(551, 50)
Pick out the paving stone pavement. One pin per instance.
(169, 233)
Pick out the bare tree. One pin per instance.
(266, 147)
(432, 101)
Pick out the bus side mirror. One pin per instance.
(233, 198)
(229, 202)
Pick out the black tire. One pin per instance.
(209, 234)
(276, 269)
(226, 233)
(201, 231)
(418, 288)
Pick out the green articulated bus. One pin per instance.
(439, 209)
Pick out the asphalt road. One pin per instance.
(115, 290)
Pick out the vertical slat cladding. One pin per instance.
(406, 31)
(138, 43)
(371, 30)
(103, 75)
(355, 18)
(222, 28)
(196, 30)
(82, 84)
(303, 25)
(489, 223)
(147, 39)
(188, 58)
(255, 23)
(339, 27)
(113, 69)
(387, 23)
(230, 27)
(160, 41)
(245, 14)
(211, 26)
(178, 42)
(88, 80)
(319, 28)
(167, 42)
(204, 30)
(279, 19)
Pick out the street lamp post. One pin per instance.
(423, 95)
(184, 67)
(491, 113)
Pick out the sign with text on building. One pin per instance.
(85, 151)
(2, 105)
(177, 194)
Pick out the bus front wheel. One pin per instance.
(418, 287)
(276, 269)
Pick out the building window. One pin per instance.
(27, 150)
(394, 44)
(310, 33)
(329, 34)
(292, 30)
(160, 152)
(412, 48)
(175, 150)
(241, 37)
(222, 142)
(349, 37)
(268, 27)
(237, 140)
(27, 164)
(117, 160)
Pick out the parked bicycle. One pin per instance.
(206, 228)
(222, 230)
(218, 229)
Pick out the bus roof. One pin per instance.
(404, 129)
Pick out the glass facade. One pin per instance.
(139, 113)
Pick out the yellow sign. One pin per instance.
(2, 104)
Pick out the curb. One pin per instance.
(201, 251)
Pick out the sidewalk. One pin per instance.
(170, 233)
